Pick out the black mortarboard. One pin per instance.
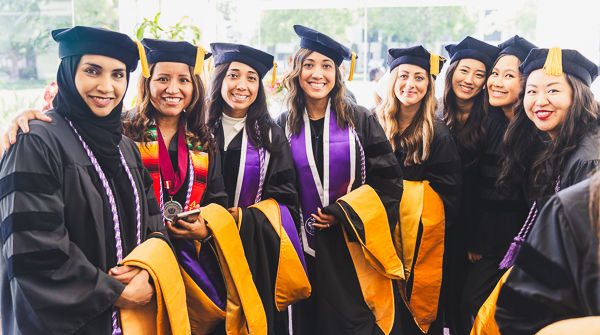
(81, 40)
(175, 51)
(516, 46)
(555, 61)
(417, 55)
(313, 40)
(229, 52)
(473, 48)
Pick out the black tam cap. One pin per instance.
(417, 55)
(473, 48)
(516, 46)
(555, 61)
(321, 43)
(172, 51)
(259, 60)
(81, 40)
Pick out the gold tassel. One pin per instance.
(199, 66)
(143, 59)
(434, 64)
(106, 27)
(553, 64)
(274, 74)
(352, 65)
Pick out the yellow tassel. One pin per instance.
(106, 27)
(143, 59)
(352, 65)
(200, 53)
(274, 74)
(553, 65)
(434, 64)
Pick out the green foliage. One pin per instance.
(425, 25)
(276, 25)
(179, 31)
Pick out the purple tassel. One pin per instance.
(511, 254)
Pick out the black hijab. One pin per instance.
(101, 134)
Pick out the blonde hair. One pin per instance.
(416, 139)
(340, 102)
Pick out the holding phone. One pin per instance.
(189, 216)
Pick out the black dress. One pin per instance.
(557, 273)
(58, 235)
(336, 305)
(499, 216)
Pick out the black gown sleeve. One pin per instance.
(442, 170)
(556, 275)
(215, 186)
(48, 285)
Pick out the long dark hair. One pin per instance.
(257, 112)
(340, 101)
(522, 140)
(470, 136)
(136, 127)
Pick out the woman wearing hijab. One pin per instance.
(259, 174)
(430, 164)
(350, 186)
(503, 209)
(76, 199)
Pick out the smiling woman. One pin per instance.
(101, 82)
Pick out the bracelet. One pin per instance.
(207, 238)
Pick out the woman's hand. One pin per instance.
(234, 211)
(124, 273)
(137, 293)
(323, 220)
(196, 230)
(9, 137)
(474, 257)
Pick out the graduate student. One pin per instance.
(464, 110)
(425, 149)
(502, 210)
(350, 186)
(76, 200)
(257, 165)
(554, 133)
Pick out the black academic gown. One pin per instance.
(443, 171)
(336, 305)
(260, 241)
(57, 232)
(499, 216)
(557, 273)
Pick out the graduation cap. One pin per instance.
(417, 55)
(555, 61)
(82, 40)
(473, 48)
(256, 59)
(313, 40)
(516, 46)
(175, 51)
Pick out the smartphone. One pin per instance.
(189, 216)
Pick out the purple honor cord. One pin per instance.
(116, 329)
(511, 255)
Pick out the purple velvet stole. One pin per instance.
(248, 174)
(290, 229)
(339, 160)
(203, 269)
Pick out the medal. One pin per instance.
(172, 208)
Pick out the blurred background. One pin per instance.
(28, 55)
